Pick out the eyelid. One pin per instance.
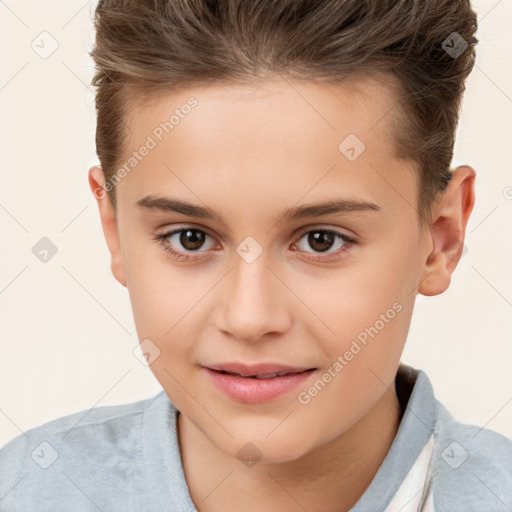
(169, 231)
(320, 227)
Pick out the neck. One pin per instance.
(331, 477)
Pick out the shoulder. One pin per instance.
(77, 450)
(471, 466)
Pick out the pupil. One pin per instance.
(192, 239)
(321, 240)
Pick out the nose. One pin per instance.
(254, 302)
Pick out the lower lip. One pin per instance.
(256, 391)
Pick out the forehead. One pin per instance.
(283, 135)
(362, 105)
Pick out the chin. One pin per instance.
(251, 450)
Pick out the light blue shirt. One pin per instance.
(127, 458)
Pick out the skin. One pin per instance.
(248, 153)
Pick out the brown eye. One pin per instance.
(186, 243)
(192, 239)
(321, 240)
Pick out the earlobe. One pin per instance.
(448, 228)
(108, 222)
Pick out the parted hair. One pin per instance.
(426, 48)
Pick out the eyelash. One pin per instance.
(181, 256)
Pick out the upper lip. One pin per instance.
(256, 369)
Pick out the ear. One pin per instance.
(108, 222)
(448, 228)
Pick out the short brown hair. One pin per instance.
(148, 46)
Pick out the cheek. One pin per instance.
(373, 294)
(362, 363)
(160, 293)
(368, 309)
(168, 306)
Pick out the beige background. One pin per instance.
(67, 332)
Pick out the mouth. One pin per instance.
(256, 383)
(259, 370)
(263, 375)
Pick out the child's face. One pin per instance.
(249, 155)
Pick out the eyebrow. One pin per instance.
(165, 204)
